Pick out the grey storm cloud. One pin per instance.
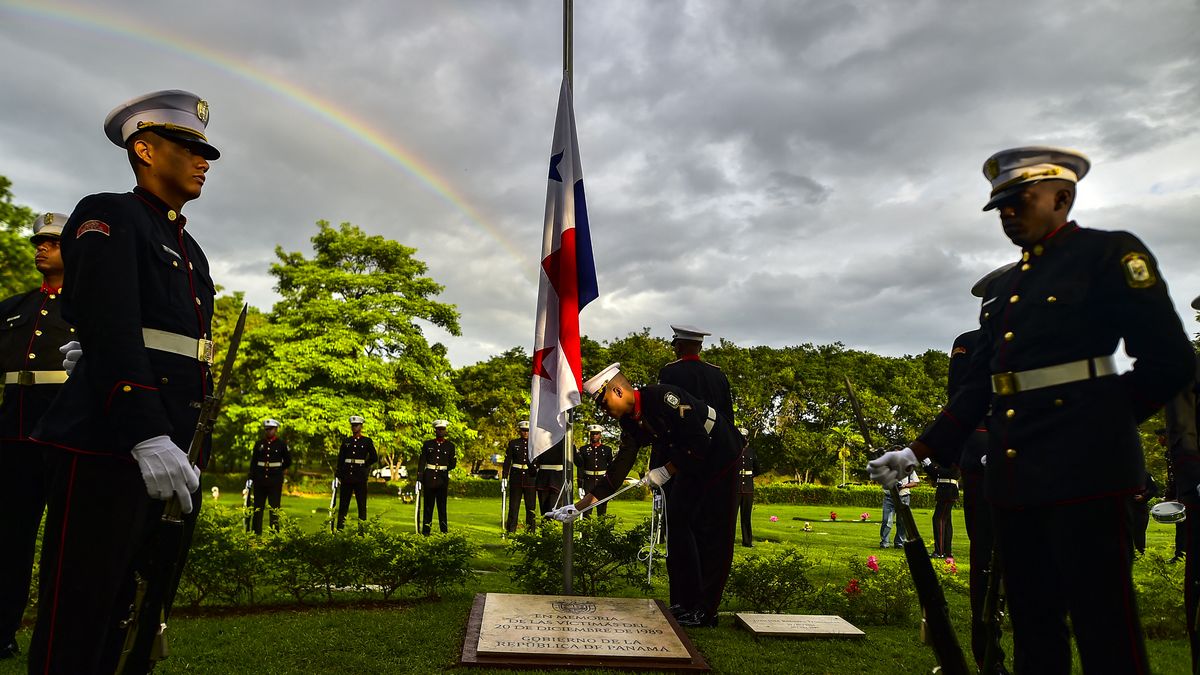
(776, 172)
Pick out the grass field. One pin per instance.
(426, 636)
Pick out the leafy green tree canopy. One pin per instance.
(17, 273)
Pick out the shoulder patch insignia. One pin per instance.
(1138, 271)
(957, 351)
(671, 399)
(92, 226)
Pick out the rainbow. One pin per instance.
(106, 23)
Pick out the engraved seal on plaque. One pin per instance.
(568, 607)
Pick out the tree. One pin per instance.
(232, 442)
(17, 273)
(495, 397)
(345, 340)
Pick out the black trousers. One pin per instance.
(548, 494)
(1191, 575)
(269, 491)
(430, 497)
(515, 494)
(745, 504)
(587, 484)
(99, 525)
(1077, 560)
(700, 551)
(943, 527)
(23, 467)
(359, 490)
(981, 532)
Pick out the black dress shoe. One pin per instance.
(9, 650)
(678, 610)
(695, 619)
(748, 545)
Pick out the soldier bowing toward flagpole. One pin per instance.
(702, 450)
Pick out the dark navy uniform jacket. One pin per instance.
(31, 331)
(970, 461)
(434, 454)
(270, 458)
(1075, 295)
(355, 459)
(517, 453)
(749, 464)
(594, 459)
(550, 479)
(130, 264)
(673, 420)
(702, 380)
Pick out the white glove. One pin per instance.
(503, 483)
(417, 487)
(564, 514)
(892, 466)
(658, 477)
(582, 493)
(167, 471)
(71, 351)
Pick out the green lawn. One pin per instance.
(426, 636)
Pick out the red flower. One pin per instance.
(852, 588)
(833, 515)
(873, 563)
(864, 516)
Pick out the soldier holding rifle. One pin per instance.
(268, 462)
(519, 479)
(591, 461)
(355, 459)
(1063, 449)
(438, 459)
(138, 290)
(31, 331)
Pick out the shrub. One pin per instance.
(882, 593)
(225, 562)
(304, 562)
(603, 556)
(827, 495)
(442, 561)
(772, 583)
(1159, 587)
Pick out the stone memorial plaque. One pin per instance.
(560, 630)
(798, 625)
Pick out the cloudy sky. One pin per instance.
(775, 172)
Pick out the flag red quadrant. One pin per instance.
(567, 284)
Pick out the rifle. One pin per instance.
(157, 581)
(993, 615)
(247, 495)
(417, 505)
(333, 504)
(936, 629)
(503, 508)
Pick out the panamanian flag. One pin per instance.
(567, 284)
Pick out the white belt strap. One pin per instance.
(437, 467)
(551, 467)
(593, 473)
(201, 350)
(947, 481)
(356, 461)
(747, 473)
(711, 421)
(270, 465)
(519, 466)
(1006, 384)
(29, 377)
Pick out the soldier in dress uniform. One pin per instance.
(268, 462)
(591, 462)
(438, 458)
(520, 478)
(702, 450)
(1063, 448)
(138, 290)
(1183, 451)
(746, 473)
(698, 378)
(355, 459)
(550, 477)
(31, 330)
(945, 496)
(1170, 490)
